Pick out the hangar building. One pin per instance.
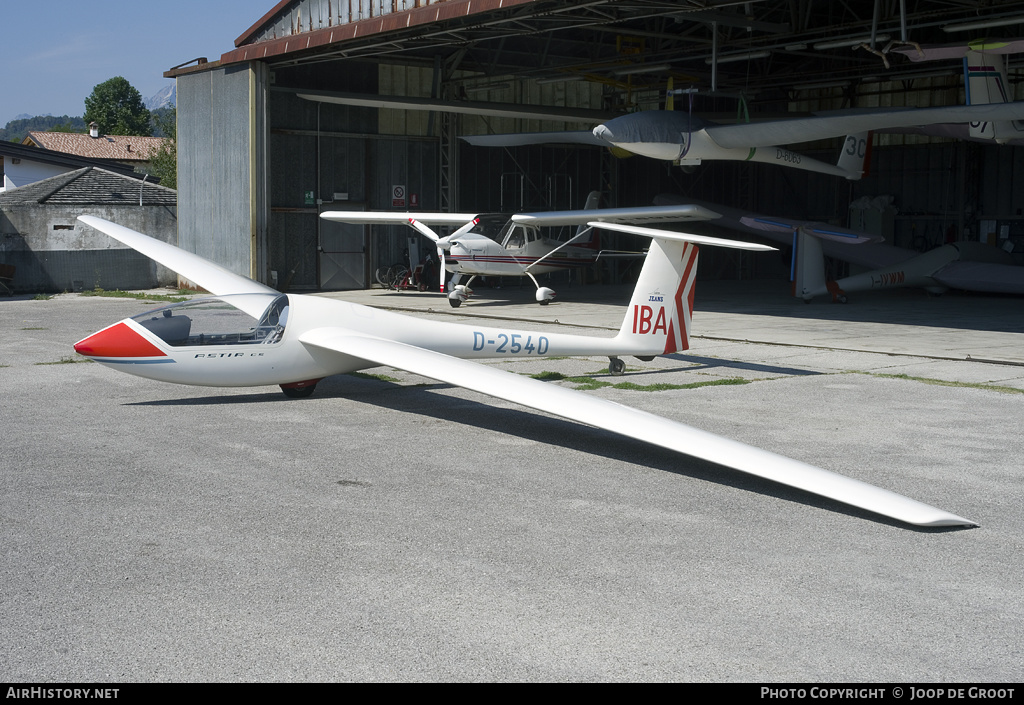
(360, 104)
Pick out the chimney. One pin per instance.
(94, 130)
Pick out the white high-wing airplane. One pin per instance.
(519, 248)
(687, 139)
(248, 334)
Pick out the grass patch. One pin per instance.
(663, 386)
(947, 383)
(42, 297)
(66, 360)
(148, 298)
(587, 382)
(379, 378)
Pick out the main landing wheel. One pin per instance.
(298, 392)
(616, 366)
(454, 303)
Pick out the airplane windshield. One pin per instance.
(492, 225)
(216, 321)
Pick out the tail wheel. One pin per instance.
(616, 366)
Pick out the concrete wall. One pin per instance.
(52, 251)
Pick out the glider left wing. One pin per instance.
(633, 423)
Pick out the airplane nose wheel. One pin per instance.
(454, 303)
(616, 366)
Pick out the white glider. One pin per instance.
(250, 335)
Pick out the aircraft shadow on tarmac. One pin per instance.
(422, 400)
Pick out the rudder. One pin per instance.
(658, 320)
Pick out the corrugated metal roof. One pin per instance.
(285, 30)
(123, 148)
(90, 186)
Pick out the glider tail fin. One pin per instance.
(659, 314)
(855, 157)
(986, 83)
(808, 268)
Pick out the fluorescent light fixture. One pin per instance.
(641, 68)
(983, 24)
(488, 87)
(795, 47)
(738, 57)
(826, 84)
(840, 43)
(559, 79)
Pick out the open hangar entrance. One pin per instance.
(269, 135)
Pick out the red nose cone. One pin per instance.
(117, 341)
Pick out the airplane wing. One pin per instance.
(780, 132)
(633, 423)
(200, 271)
(642, 214)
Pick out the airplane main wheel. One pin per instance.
(298, 392)
(616, 366)
(454, 303)
(544, 303)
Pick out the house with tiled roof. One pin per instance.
(52, 251)
(21, 165)
(127, 149)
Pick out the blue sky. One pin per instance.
(56, 52)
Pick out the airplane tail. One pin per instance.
(855, 156)
(985, 82)
(807, 270)
(659, 314)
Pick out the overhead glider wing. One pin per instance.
(780, 132)
(465, 107)
(630, 422)
(522, 139)
(641, 214)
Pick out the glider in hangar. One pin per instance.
(515, 246)
(248, 334)
(967, 265)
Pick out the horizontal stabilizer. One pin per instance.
(823, 231)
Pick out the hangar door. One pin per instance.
(342, 253)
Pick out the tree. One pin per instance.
(164, 163)
(117, 108)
